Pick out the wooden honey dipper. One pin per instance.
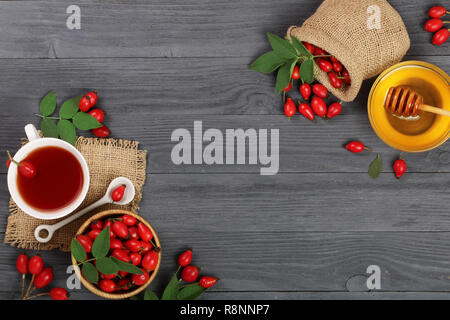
(406, 102)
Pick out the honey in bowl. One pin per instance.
(58, 182)
(412, 134)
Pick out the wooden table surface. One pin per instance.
(308, 232)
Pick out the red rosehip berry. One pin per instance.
(120, 229)
(324, 65)
(86, 242)
(288, 88)
(117, 194)
(22, 263)
(135, 258)
(346, 76)
(97, 224)
(59, 294)
(306, 111)
(101, 132)
(98, 114)
(440, 37)
(144, 232)
(185, 258)
(296, 73)
(320, 52)
(189, 273)
(129, 220)
(334, 110)
(434, 25)
(43, 278)
(107, 285)
(319, 106)
(437, 12)
(88, 101)
(400, 168)
(309, 47)
(320, 90)
(208, 281)
(334, 80)
(289, 108)
(35, 265)
(150, 261)
(355, 147)
(305, 91)
(115, 244)
(140, 279)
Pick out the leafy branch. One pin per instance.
(284, 57)
(70, 118)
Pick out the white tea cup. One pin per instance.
(35, 142)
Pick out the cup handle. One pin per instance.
(31, 132)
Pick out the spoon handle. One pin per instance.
(432, 109)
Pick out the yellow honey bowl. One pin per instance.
(418, 135)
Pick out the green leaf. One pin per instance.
(49, 128)
(100, 247)
(282, 47)
(68, 109)
(135, 298)
(171, 291)
(48, 104)
(77, 99)
(190, 292)
(301, 49)
(66, 131)
(128, 267)
(78, 251)
(150, 295)
(85, 121)
(90, 272)
(267, 63)
(106, 266)
(376, 167)
(284, 75)
(307, 71)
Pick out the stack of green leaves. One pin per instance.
(70, 118)
(285, 55)
(103, 264)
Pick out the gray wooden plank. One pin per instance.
(176, 29)
(292, 202)
(288, 261)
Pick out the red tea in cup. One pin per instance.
(58, 182)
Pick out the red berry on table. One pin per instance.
(101, 132)
(129, 220)
(320, 90)
(208, 281)
(434, 25)
(121, 255)
(8, 163)
(305, 91)
(337, 66)
(288, 88)
(320, 52)
(98, 114)
(35, 264)
(324, 65)
(334, 80)
(309, 47)
(97, 224)
(150, 261)
(400, 168)
(107, 285)
(117, 194)
(185, 258)
(120, 229)
(133, 245)
(289, 108)
(135, 258)
(189, 273)
(334, 110)
(59, 294)
(144, 232)
(319, 106)
(140, 279)
(88, 101)
(306, 111)
(22, 263)
(346, 76)
(115, 244)
(437, 12)
(355, 147)
(440, 37)
(296, 73)
(43, 278)
(86, 242)
(94, 233)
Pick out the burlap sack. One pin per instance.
(107, 159)
(340, 27)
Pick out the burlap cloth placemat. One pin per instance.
(107, 159)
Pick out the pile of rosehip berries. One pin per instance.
(40, 278)
(87, 102)
(435, 24)
(190, 273)
(337, 75)
(130, 242)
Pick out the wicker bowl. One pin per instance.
(93, 288)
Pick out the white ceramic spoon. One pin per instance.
(127, 197)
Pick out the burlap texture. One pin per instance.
(340, 28)
(107, 159)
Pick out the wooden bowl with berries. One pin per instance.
(116, 254)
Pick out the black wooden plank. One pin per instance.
(195, 28)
